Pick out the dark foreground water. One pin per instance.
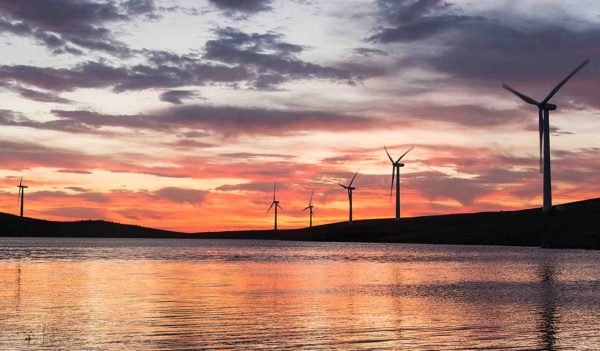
(121, 294)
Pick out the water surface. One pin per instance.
(137, 294)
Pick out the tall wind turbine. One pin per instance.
(21, 194)
(544, 109)
(275, 204)
(310, 208)
(396, 173)
(350, 188)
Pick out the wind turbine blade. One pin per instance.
(21, 182)
(523, 97)
(311, 196)
(19, 195)
(274, 187)
(541, 129)
(352, 181)
(279, 207)
(388, 154)
(306, 208)
(404, 154)
(272, 203)
(557, 88)
(343, 186)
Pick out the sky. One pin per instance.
(182, 114)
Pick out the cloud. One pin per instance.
(271, 59)
(366, 52)
(76, 212)
(181, 195)
(479, 51)
(227, 121)
(57, 195)
(100, 75)
(177, 96)
(263, 187)
(436, 185)
(413, 20)
(244, 6)
(41, 96)
(476, 116)
(69, 26)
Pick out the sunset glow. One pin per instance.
(182, 114)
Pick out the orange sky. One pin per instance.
(183, 118)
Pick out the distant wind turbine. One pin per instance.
(350, 188)
(21, 194)
(275, 204)
(544, 109)
(310, 208)
(396, 173)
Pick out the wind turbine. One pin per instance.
(350, 188)
(544, 109)
(276, 204)
(396, 173)
(310, 208)
(21, 194)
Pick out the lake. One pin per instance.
(155, 294)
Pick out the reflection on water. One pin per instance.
(548, 314)
(117, 294)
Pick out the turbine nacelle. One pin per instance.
(544, 108)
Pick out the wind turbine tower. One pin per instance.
(396, 173)
(350, 188)
(310, 208)
(21, 194)
(544, 109)
(275, 204)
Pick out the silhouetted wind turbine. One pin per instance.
(350, 188)
(21, 194)
(310, 208)
(396, 173)
(544, 109)
(276, 204)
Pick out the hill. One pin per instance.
(573, 225)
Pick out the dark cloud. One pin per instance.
(181, 195)
(77, 189)
(477, 52)
(16, 119)
(101, 75)
(412, 20)
(272, 60)
(260, 60)
(245, 6)
(74, 171)
(69, 26)
(41, 96)
(177, 96)
(369, 52)
(227, 121)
